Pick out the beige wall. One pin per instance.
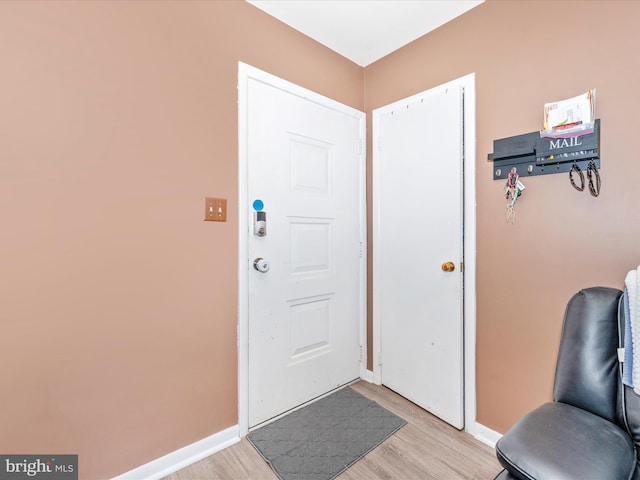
(524, 54)
(117, 302)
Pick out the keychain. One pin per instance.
(513, 190)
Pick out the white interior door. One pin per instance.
(305, 163)
(418, 213)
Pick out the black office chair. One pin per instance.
(591, 429)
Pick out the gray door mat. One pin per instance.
(324, 438)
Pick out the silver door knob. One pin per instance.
(261, 265)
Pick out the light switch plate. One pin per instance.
(215, 209)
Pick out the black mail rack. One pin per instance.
(531, 154)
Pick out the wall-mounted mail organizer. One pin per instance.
(532, 154)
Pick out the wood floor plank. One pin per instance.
(425, 449)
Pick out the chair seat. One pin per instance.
(561, 442)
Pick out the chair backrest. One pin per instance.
(587, 371)
(630, 413)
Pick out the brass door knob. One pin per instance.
(448, 267)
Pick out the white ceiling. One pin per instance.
(365, 30)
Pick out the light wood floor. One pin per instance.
(426, 448)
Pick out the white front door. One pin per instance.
(305, 160)
(418, 158)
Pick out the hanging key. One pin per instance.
(514, 190)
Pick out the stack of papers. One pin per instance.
(571, 117)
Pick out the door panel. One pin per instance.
(419, 215)
(304, 164)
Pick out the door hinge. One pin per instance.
(360, 354)
(380, 358)
(360, 250)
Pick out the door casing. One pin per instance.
(466, 82)
(246, 72)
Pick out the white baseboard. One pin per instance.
(183, 457)
(486, 435)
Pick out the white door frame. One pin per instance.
(246, 72)
(466, 82)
